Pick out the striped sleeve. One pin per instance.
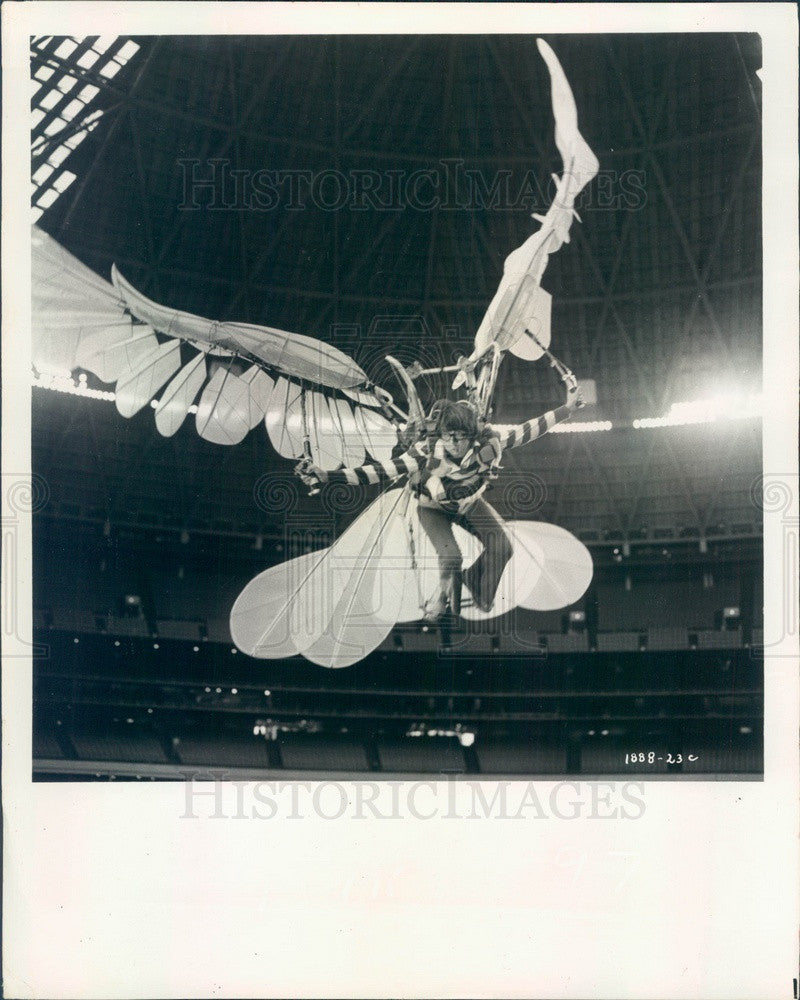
(378, 472)
(513, 437)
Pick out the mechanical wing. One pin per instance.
(313, 399)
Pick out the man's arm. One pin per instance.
(513, 437)
(363, 475)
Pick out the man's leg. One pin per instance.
(438, 526)
(483, 577)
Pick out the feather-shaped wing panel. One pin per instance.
(111, 359)
(268, 617)
(136, 388)
(345, 426)
(284, 419)
(261, 386)
(567, 566)
(334, 606)
(372, 566)
(179, 395)
(378, 435)
(225, 408)
(68, 302)
(327, 447)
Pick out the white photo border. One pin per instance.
(110, 891)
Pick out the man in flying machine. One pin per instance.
(450, 467)
(317, 402)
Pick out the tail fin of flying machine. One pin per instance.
(580, 163)
(520, 303)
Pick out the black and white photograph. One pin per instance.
(398, 408)
(366, 546)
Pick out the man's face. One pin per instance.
(456, 443)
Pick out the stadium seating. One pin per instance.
(498, 758)
(301, 752)
(422, 755)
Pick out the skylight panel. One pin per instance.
(66, 83)
(47, 198)
(72, 109)
(42, 174)
(66, 48)
(59, 154)
(110, 69)
(88, 59)
(128, 50)
(55, 126)
(50, 99)
(74, 76)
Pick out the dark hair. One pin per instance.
(447, 415)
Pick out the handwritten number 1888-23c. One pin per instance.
(652, 758)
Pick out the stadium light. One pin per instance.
(587, 427)
(726, 405)
(723, 408)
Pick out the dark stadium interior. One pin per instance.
(143, 542)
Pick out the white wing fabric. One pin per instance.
(337, 605)
(580, 163)
(370, 575)
(344, 429)
(269, 614)
(549, 569)
(71, 305)
(378, 435)
(329, 447)
(231, 404)
(111, 357)
(520, 302)
(290, 353)
(308, 394)
(284, 419)
(566, 570)
(137, 387)
(174, 404)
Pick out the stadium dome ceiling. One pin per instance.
(365, 190)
